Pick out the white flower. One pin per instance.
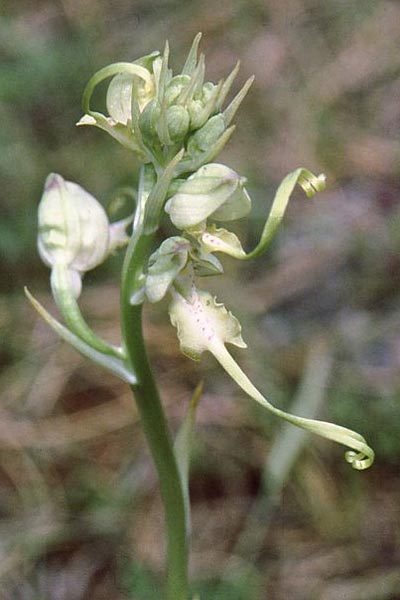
(74, 231)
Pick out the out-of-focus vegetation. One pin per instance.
(276, 515)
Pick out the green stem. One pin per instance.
(154, 422)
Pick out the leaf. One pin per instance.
(226, 86)
(233, 107)
(111, 363)
(158, 193)
(183, 446)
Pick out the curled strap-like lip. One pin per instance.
(110, 71)
(360, 456)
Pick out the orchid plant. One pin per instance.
(175, 125)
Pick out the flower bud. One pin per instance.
(207, 135)
(195, 110)
(207, 91)
(175, 87)
(177, 122)
(148, 121)
(73, 226)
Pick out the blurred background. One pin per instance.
(276, 515)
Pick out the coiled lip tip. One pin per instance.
(359, 460)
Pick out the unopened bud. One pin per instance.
(177, 122)
(207, 91)
(207, 135)
(175, 87)
(73, 226)
(195, 110)
(148, 121)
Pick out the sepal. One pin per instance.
(236, 206)
(177, 122)
(205, 264)
(125, 88)
(164, 266)
(192, 163)
(129, 80)
(205, 194)
(175, 87)
(119, 132)
(118, 236)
